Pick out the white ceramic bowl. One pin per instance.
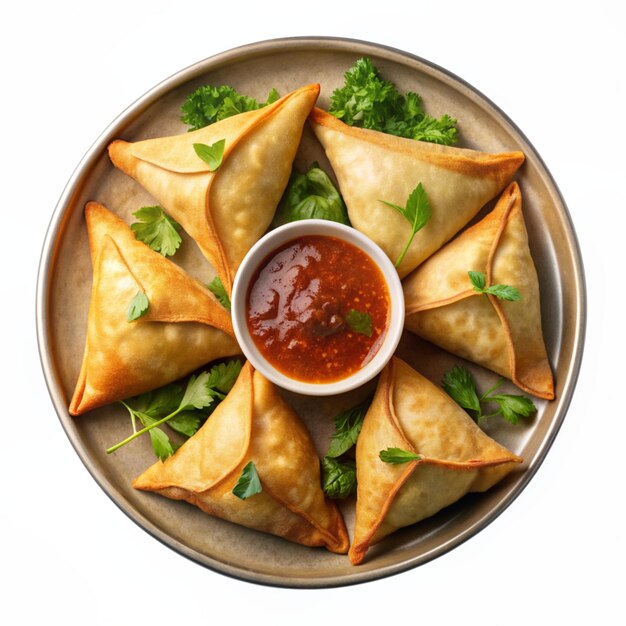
(261, 250)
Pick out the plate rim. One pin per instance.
(46, 271)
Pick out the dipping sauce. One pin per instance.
(318, 309)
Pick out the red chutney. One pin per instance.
(300, 306)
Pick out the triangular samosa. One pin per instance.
(504, 336)
(183, 328)
(226, 210)
(372, 167)
(455, 456)
(253, 424)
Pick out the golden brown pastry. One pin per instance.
(372, 166)
(456, 456)
(506, 337)
(183, 328)
(225, 211)
(253, 424)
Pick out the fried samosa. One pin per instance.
(226, 210)
(455, 456)
(373, 167)
(253, 424)
(503, 336)
(183, 328)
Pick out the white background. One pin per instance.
(69, 556)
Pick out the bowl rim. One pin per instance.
(290, 232)
(48, 259)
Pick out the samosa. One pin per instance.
(502, 335)
(253, 425)
(450, 456)
(179, 327)
(225, 204)
(374, 168)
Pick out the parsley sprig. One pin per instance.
(157, 229)
(416, 211)
(502, 292)
(397, 456)
(212, 154)
(339, 477)
(360, 322)
(209, 104)
(138, 307)
(183, 409)
(216, 287)
(249, 483)
(339, 470)
(369, 101)
(311, 196)
(460, 385)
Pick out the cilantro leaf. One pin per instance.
(161, 443)
(311, 196)
(222, 377)
(208, 104)
(138, 306)
(360, 322)
(397, 456)
(156, 229)
(503, 292)
(216, 287)
(338, 477)
(416, 211)
(212, 155)
(272, 96)
(187, 422)
(512, 407)
(249, 483)
(159, 402)
(184, 412)
(347, 428)
(478, 280)
(369, 101)
(459, 384)
(198, 394)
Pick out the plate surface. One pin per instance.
(64, 285)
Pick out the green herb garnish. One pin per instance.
(347, 428)
(210, 104)
(369, 101)
(212, 155)
(396, 456)
(184, 410)
(216, 287)
(311, 196)
(338, 477)
(416, 211)
(138, 306)
(338, 470)
(459, 384)
(360, 322)
(503, 292)
(156, 229)
(248, 483)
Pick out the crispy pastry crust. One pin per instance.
(442, 306)
(253, 424)
(410, 413)
(373, 167)
(121, 358)
(227, 210)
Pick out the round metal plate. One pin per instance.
(64, 285)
